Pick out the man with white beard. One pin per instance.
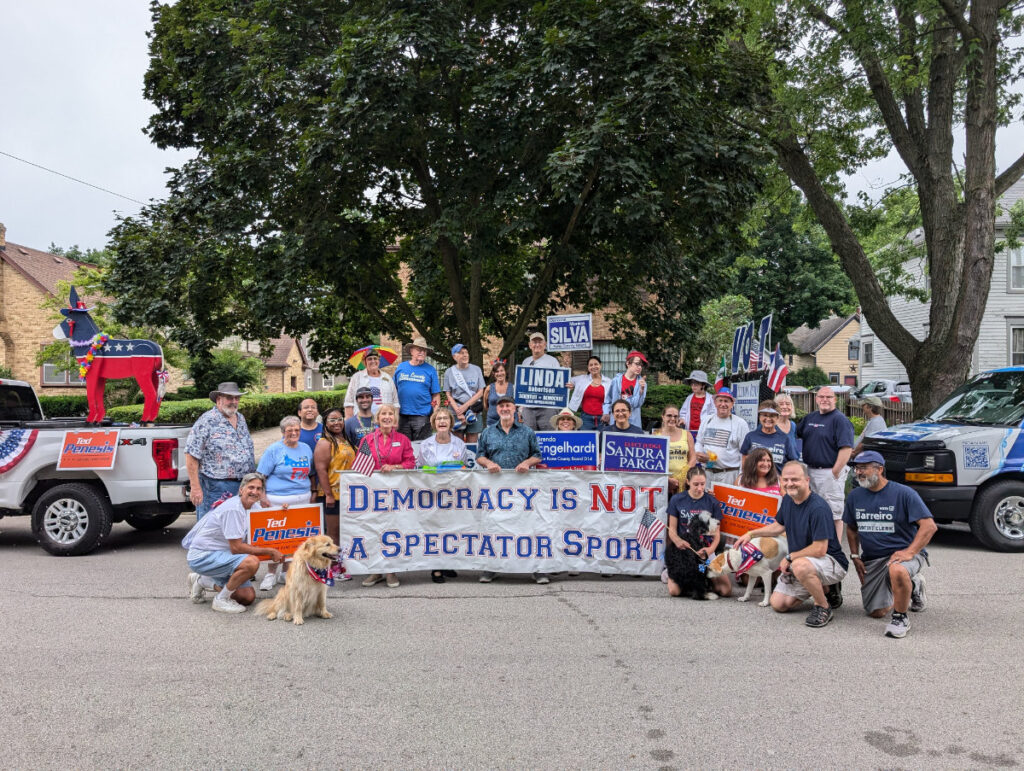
(887, 526)
(219, 450)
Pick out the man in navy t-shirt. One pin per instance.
(815, 560)
(828, 438)
(419, 391)
(888, 526)
(310, 429)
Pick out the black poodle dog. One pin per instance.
(684, 566)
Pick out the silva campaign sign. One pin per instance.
(568, 449)
(572, 332)
(744, 509)
(93, 450)
(635, 452)
(546, 387)
(285, 529)
(509, 522)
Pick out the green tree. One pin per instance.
(848, 81)
(227, 364)
(807, 377)
(721, 317)
(515, 158)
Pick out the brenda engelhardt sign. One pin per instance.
(572, 332)
(542, 387)
(744, 509)
(507, 522)
(285, 529)
(635, 452)
(568, 450)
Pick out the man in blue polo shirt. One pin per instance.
(887, 526)
(815, 560)
(419, 391)
(828, 438)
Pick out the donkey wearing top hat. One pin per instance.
(111, 360)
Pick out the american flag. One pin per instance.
(650, 528)
(778, 371)
(364, 460)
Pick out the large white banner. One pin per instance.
(544, 521)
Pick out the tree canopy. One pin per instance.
(463, 169)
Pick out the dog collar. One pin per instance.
(326, 576)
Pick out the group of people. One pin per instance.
(708, 445)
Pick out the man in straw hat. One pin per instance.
(419, 391)
(219, 450)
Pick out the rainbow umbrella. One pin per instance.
(387, 356)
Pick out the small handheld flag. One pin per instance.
(650, 528)
(364, 461)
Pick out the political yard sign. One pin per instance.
(94, 450)
(285, 529)
(542, 387)
(572, 332)
(635, 452)
(744, 510)
(568, 449)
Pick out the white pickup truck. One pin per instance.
(73, 510)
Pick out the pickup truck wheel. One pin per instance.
(143, 521)
(71, 519)
(997, 519)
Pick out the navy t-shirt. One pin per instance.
(808, 522)
(630, 429)
(684, 507)
(823, 436)
(779, 444)
(310, 436)
(884, 520)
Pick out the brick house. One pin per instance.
(286, 369)
(833, 346)
(27, 278)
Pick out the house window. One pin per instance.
(65, 375)
(869, 353)
(853, 350)
(1017, 346)
(833, 378)
(309, 380)
(294, 382)
(613, 358)
(328, 382)
(1016, 260)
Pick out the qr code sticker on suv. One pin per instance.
(976, 456)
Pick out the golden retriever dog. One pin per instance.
(312, 569)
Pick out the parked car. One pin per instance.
(840, 390)
(72, 510)
(886, 390)
(793, 389)
(965, 458)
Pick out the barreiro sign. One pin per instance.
(744, 509)
(507, 522)
(635, 452)
(568, 450)
(572, 332)
(285, 529)
(94, 450)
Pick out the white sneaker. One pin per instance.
(196, 592)
(282, 577)
(664, 576)
(898, 626)
(267, 583)
(227, 605)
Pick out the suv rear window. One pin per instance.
(18, 403)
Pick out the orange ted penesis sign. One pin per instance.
(92, 450)
(744, 509)
(285, 529)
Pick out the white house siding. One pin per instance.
(1003, 311)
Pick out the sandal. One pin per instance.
(437, 577)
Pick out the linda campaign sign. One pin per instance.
(635, 452)
(285, 529)
(546, 387)
(506, 522)
(568, 449)
(88, 450)
(744, 509)
(572, 332)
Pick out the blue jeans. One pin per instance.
(213, 489)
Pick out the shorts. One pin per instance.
(415, 427)
(213, 491)
(829, 572)
(831, 489)
(721, 477)
(876, 591)
(218, 565)
(537, 418)
(296, 499)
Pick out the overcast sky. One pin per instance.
(71, 90)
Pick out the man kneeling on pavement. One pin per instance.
(815, 565)
(887, 526)
(220, 558)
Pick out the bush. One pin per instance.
(65, 406)
(260, 410)
(6, 372)
(807, 377)
(658, 397)
(224, 365)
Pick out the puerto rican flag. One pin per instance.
(14, 445)
(778, 371)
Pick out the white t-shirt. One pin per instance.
(546, 360)
(723, 436)
(230, 520)
(432, 452)
(374, 385)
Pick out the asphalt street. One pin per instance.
(106, 664)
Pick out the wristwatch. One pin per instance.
(855, 556)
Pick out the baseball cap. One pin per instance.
(869, 456)
(726, 393)
(535, 335)
(363, 391)
(505, 398)
(456, 348)
(874, 401)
